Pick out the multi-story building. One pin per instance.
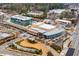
(45, 30)
(22, 20)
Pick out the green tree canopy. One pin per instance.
(67, 14)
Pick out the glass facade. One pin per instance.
(21, 22)
(53, 36)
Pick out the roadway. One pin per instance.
(5, 51)
(3, 47)
(75, 36)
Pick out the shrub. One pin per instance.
(32, 41)
(49, 54)
(38, 52)
(56, 47)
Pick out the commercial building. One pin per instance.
(4, 35)
(7, 34)
(54, 34)
(35, 13)
(21, 20)
(57, 11)
(45, 30)
(54, 14)
(64, 23)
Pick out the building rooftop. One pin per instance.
(6, 32)
(46, 29)
(62, 20)
(47, 26)
(39, 30)
(35, 13)
(1, 13)
(55, 31)
(4, 35)
(56, 10)
(44, 26)
(21, 17)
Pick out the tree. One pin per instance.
(67, 14)
(49, 54)
(56, 6)
(56, 47)
(39, 51)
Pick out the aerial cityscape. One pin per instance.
(39, 29)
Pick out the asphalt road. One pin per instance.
(4, 51)
(3, 47)
(75, 36)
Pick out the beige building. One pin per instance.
(53, 14)
(7, 34)
(35, 13)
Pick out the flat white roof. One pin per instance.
(4, 35)
(1, 13)
(63, 20)
(21, 17)
(47, 26)
(35, 13)
(38, 23)
(55, 31)
(56, 10)
(39, 30)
